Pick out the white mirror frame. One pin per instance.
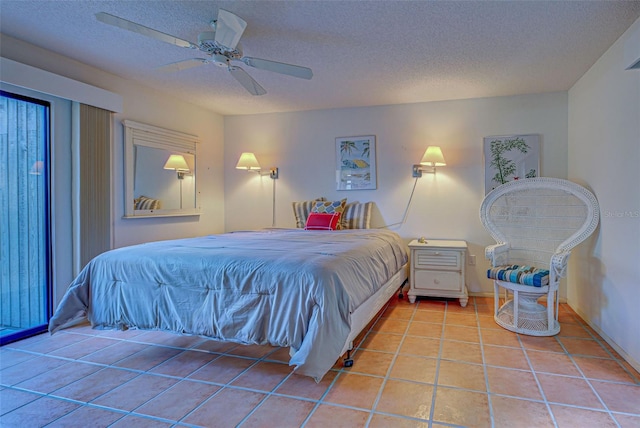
(140, 134)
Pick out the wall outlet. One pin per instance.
(472, 259)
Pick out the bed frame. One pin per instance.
(366, 312)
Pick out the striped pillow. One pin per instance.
(357, 216)
(146, 203)
(302, 209)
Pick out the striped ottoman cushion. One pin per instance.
(525, 275)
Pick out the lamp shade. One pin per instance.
(248, 161)
(37, 168)
(176, 162)
(433, 157)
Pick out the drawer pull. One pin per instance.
(436, 281)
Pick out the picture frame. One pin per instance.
(356, 163)
(510, 157)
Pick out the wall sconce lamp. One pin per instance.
(178, 164)
(432, 158)
(249, 163)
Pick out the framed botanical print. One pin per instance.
(510, 157)
(356, 163)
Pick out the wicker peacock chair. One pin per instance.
(536, 222)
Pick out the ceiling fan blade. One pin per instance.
(183, 65)
(229, 29)
(247, 81)
(141, 29)
(278, 67)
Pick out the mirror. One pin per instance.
(160, 172)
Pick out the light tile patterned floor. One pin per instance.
(431, 364)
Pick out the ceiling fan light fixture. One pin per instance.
(220, 60)
(222, 45)
(206, 37)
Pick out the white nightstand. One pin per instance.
(437, 269)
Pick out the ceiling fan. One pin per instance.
(221, 47)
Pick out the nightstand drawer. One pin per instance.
(437, 259)
(435, 280)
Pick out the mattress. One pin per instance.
(285, 287)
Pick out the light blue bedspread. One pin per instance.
(284, 287)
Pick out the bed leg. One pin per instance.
(401, 295)
(348, 362)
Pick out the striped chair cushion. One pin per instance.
(525, 275)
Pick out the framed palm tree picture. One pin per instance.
(510, 157)
(356, 163)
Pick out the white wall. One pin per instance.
(446, 205)
(153, 108)
(604, 154)
(144, 105)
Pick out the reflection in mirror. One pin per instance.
(153, 180)
(160, 172)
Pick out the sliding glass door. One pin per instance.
(25, 250)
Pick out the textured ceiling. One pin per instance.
(362, 53)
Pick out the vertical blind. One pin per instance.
(94, 203)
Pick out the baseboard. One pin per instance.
(628, 358)
(480, 294)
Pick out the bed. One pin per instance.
(311, 291)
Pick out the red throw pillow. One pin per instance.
(322, 221)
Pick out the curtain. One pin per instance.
(94, 185)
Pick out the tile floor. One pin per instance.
(431, 364)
